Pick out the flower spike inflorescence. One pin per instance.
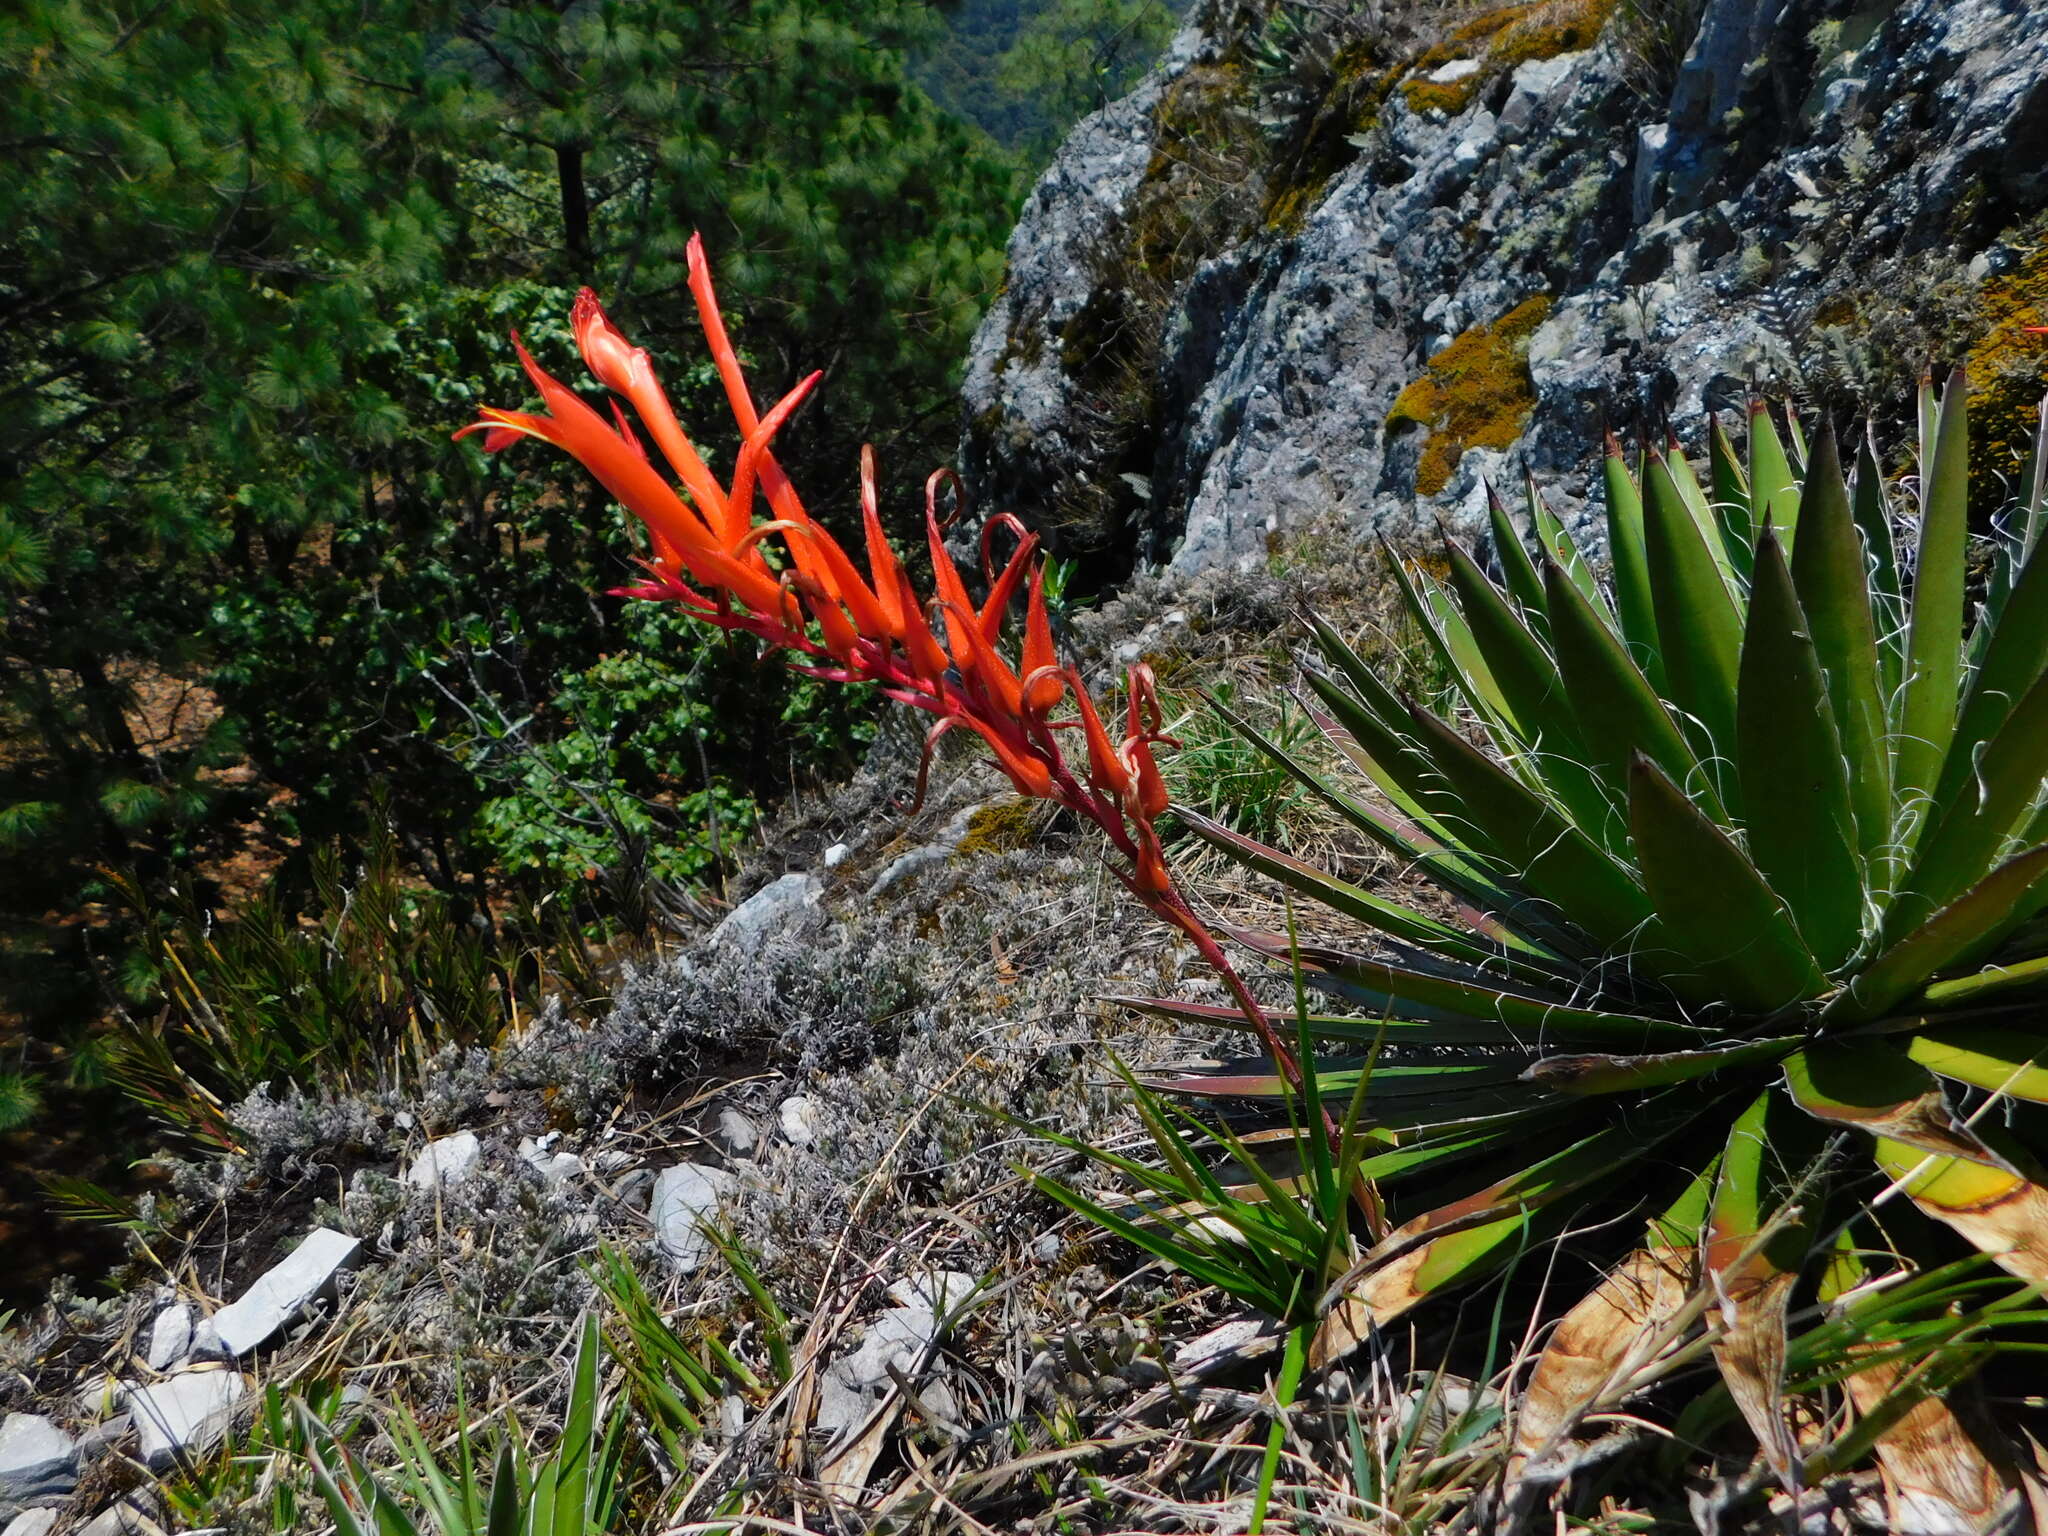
(943, 656)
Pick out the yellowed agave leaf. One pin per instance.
(1620, 1327)
(2001, 1212)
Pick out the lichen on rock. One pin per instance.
(1475, 393)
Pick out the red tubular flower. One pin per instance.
(867, 629)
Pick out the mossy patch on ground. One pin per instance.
(1002, 827)
(1475, 393)
(2009, 375)
(1500, 40)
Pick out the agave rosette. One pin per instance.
(1753, 862)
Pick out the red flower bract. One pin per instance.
(712, 556)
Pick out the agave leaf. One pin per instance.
(1704, 517)
(1730, 485)
(2014, 658)
(1626, 551)
(1527, 683)
(1934, 637)
(1423, 841)
(1754, 1248)
(1549, 855)
(1591, 1074)
(1967, 834)
(1447, 633)
(1795, 790)
(1558, 545)
(1939, 1474)
(1466, 1236)
(1871, 505)
(1617, 711)
(1699, 630)
(1338, 895)
(1516, 568)
(1611, 1335)
(1773, 490)
(1944, 1167)
(1450, 994)
(1961, 933)
(2005, 1061)
(1721, 930)
(1633, 1317)
(1559, 1027)
(1833, 585)
(1988, 983)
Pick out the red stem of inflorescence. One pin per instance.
(708, 554)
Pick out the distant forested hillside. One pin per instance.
(1024, 70)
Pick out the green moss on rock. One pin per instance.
(1475, 393)
(1499, 40)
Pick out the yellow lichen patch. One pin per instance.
(2008, 376)
(1003, 827)
(1476, 393)
(1500, 40)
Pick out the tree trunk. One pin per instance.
(575, 205)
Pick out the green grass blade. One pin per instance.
(1802, 830)
(1934, 637)
(1728, 935)
(579, 1435)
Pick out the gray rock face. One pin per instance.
(683, 1195)
(37, 1459)
(188, 1413)
(283, 1290)
(1683, 247)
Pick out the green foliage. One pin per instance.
(1077, 55)
(1791, 888)
(255, 271)
(386, 974)
(574, 1489)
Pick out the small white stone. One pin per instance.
(32, 1522)
(736, 1133)
(683, 1195)
(554, 1167)
(936, 1290)
(836, 855)
(448, 1160)
(283, 1290)
(798, 1119)
(36, 1458)
(1453, 72)
(190, 1412)
(170, 1337)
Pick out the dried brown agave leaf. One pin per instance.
(1941, 1477)
(1601, 1344)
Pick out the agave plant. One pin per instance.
(1745, 853)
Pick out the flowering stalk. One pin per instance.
(711, 555)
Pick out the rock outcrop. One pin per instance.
(1302, 273)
